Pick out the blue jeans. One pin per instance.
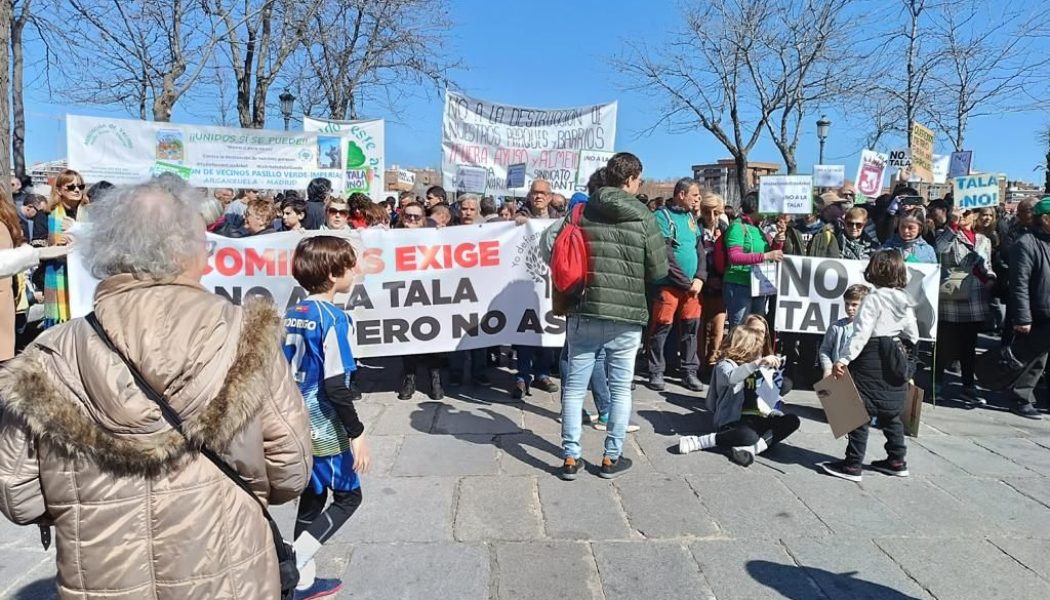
(534, 362)
(599, 380)
(740, 303)
(585, 339)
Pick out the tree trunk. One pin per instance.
(18, 133)
(742, 180)
(5, 118)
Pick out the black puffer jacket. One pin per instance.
(626, 252)
(1030, 279)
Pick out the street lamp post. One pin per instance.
(287, 104)
(823, 124)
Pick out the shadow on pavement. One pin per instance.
(793, 582)
(41, 589)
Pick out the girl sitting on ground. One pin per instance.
(745, 424)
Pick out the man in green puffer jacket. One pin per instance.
(626, 252)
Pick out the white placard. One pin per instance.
(479, 133)
(900, 158)
(870, 173)
(785, 194)
(829, 175)
(976, 191)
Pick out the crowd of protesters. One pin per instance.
(668, 287)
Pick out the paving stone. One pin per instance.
(22, 536)
(384, 452)
(753, 570)
(1022, 451)
(498, 508)
(964, 569)
(969, 423)
(854, 568)
(799, 454)
(17, 564)
(369, 413)
(848, 510)
(446, 455)
(407, 417)
(922, 462)
(545, 571)
(1036, 488)
(664, 507)
(1030, 553)
(924, 508)
(583, 509)
(402, 509)
(751, 505)
(418, 572)
(467, 418)
(1009, 510)
(973, 458)
(662, 453)
(647, 570)
(529, 453)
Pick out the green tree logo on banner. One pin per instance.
(355, 156)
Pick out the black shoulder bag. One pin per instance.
(285, 555)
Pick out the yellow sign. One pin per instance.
(921, 152)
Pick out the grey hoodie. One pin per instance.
(885, 312)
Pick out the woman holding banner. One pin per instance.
(965, 302)
(746, 247)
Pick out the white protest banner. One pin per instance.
(128, 151)
(976, 191)
(358, 149)
(590, 162)
(921, 152)
(406, 177)
(809, 293)
(829, 175)
(940, 168)
(960, 163)
(417, 290)
(785, 194)
(870, 173)
(900, 158)
(485, 134)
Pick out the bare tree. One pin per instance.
(363, 50)
(5, 133)
(19, 19)
(142, 55)
(986, 70)
(261, 35)
(701, 76)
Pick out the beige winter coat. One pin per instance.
(135, 513)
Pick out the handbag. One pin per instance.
(957, 285)
(286, 564)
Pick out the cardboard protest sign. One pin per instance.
(960, 163)
(976, 191)
(590, 161)
(416, 290)
(900, 158)
(124, 151)
(362, 148)
(912, 414)
(842, 404)
(516, 176)
(870, 173)
(940, 168)
(785, 194)
(921, 152)
(471, 179)
(479, 133)
(829, 175)
(809, 293)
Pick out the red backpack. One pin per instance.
(569, 256)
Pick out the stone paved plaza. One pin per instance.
(462, 504)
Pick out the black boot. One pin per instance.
(408, 388)
(436, 392)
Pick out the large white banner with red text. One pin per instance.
(417, 290)
(481, 134)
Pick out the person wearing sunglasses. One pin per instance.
(846, 238)
(65, 208)
(337, 215)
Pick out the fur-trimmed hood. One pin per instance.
(208, 357)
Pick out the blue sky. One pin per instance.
(550, 54)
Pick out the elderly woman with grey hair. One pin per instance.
(138, 511)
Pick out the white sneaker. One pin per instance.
(688, 443)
